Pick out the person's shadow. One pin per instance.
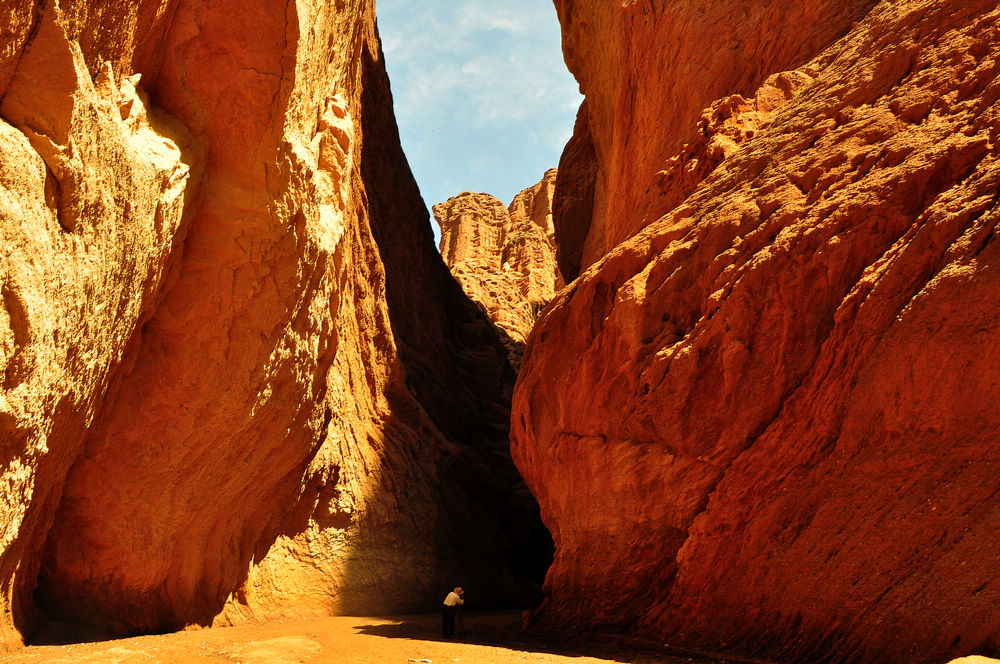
(478, 628)
(504, 629)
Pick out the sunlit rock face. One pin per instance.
(648, 71)
(238, 381)
(96, 184)
(766, 422)
(504, 258)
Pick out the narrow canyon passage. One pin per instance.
(724, 381)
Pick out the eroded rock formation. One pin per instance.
(648, 69)
(238, 381)
(765, 422)
(95, 183)
(504, 258)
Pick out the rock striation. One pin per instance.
(238, 381)
(763, 421)
(504, 257)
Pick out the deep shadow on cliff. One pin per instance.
(471, 362)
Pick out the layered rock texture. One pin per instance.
(504, 257)
(238, 381)
(648, 70)
(764, 420)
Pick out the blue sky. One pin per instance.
(482, 96)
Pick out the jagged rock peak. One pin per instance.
(503, 256)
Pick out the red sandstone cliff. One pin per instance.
(648, 69)
(238, 380)
(766, 422)
(504, 258)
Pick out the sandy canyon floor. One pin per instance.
(487, 639)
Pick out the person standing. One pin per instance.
(449, 610)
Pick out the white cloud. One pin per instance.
(512, 74)
(481, 88)
(479, 16)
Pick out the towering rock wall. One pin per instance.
(648, 69)
(225, 395)
(764, 423)
(96, 184)
(530, 246)
(504, 258)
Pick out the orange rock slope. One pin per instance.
(766, 422)
(504, 258)
(238, 381)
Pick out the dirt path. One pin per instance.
(487, 639)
